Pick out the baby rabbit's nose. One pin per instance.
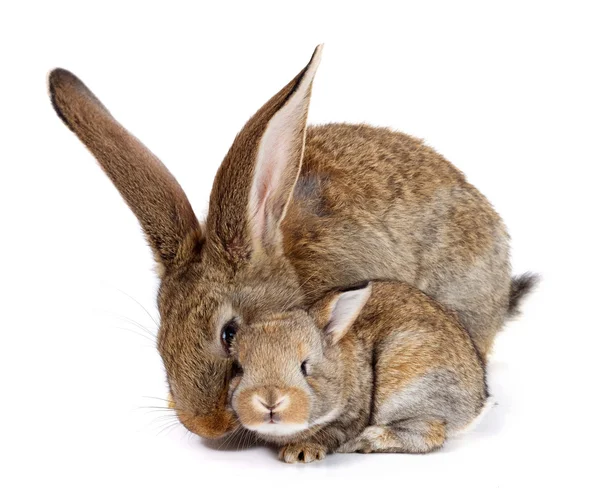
(271, 406)
(272, 401)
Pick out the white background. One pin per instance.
(508, 92)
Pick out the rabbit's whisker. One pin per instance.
(153, 340)
(157, 398)
(137, 324)
(142, 306)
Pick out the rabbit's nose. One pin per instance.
(271, 404)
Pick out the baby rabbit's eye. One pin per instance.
(304, 368)
(228, 333)
(236, 369)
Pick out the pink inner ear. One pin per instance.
(346, 309)
(278, 160)
(273, 158)
(280, 148)
(262, 194)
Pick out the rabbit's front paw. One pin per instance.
(302, 452)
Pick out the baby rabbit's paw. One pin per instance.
(357, 445)
(367, 442)
(302, 452)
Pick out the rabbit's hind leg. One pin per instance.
(403, 436)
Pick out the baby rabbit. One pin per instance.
(381, 368)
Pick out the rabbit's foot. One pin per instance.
(368, 441)
(406, 436)
(303, 452)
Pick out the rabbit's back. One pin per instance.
(371, 203)
(426, 363)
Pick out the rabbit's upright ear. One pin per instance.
(257, 178)
(336, 313)
(145, 183)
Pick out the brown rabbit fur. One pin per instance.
(292, 214)
(399, 376)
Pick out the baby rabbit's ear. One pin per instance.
(256, 180)
(147, 186)
(337, 312)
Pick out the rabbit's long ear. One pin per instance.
(145, 183)
(256, 180)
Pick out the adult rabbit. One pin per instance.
(294, 211)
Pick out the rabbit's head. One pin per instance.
(220, 276)
(290, 367)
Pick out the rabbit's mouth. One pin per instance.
(278, 429)
(211, 426)
(273, 411)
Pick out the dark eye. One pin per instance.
(236, 369)
(228, 333)
(304, 368)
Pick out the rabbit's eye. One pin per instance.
(228, 333)
(304, 368)
(236, 369)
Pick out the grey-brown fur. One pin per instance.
(520, 287)
(402, 378)
(369, 203)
